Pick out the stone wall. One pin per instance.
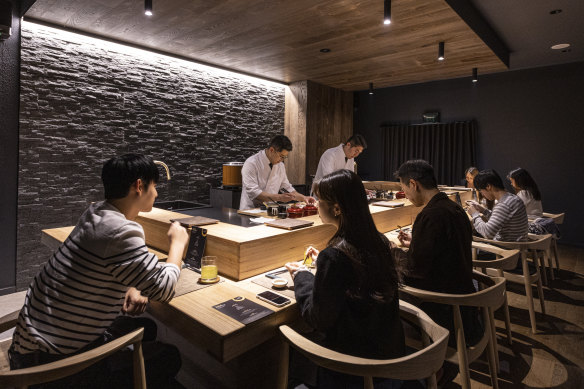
(84, 100)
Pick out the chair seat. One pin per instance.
(4, 346)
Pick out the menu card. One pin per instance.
(196, 248)
(243, 310)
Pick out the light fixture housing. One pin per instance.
(148, 7)
(386, 12)
(475, 74)
(441, 51)
(370, 88)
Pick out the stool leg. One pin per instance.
(507, 321)
(540, 290)
(494, 339)
(491, 350)
(555, 246)
(528, 291)
(548, 254)
(538, 263)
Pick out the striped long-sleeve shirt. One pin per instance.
(81, 289)
(507, 222)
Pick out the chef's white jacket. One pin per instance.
(333, 160)
(257, 177)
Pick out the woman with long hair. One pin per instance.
(527, 190)
(352, 301)
(469, 175)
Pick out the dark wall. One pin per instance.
(528, 118)
(83, 101)
(9, 84)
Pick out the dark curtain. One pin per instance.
(448, 147)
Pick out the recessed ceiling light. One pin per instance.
(555, 11)
(560, 46)
(325, 50)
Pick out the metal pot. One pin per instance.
(232, 174)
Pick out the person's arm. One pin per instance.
(320, 298)
(421, 253)
(252, 188)
(497, 220)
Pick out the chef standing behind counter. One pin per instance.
(264, 175)
(340, 157)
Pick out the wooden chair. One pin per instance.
(558, 219)
(505, 260)
(488, 299)
(527, 278)
(22, 378)
(423, 363)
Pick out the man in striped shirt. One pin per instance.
(103, 269)
(508, 219)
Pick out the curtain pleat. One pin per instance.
(449, 147)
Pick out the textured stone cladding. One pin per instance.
(82, 103)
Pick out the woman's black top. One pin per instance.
(362, 328)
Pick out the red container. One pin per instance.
(295, 212)
(400, 195)
(310, 210)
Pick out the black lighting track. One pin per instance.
(473, 18)
(150, 49)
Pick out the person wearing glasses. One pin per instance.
(264, 176)
(340, 157)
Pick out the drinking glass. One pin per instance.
(208, 269)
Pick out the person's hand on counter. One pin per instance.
(295, 267)
(309, 200)
(284, 197)
(405, 238)
(134, 303)
(178, 239)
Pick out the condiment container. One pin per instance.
(294, 212)
(310, 210)
(279, 283)
(400, 195)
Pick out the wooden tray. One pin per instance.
(195, 221)
(289, 224)
(390, 203)
(252, 212)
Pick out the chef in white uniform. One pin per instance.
(340, 157)
(264, 175)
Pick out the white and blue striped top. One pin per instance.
(81, 289)
(507, 222)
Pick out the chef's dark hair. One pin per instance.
(418, 170)
(281, 142)
(119, 173)
(486, 177)
(376, 278)
(357, 140)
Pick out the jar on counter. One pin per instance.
(310, 210)
(400, 195)
(294, 212)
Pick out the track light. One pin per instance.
(370, 88)
(386, 11)
(475, 74)
(441, 51)
(148, 7)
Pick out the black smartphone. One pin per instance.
(273, 298)
(274, 274)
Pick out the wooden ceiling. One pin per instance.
(281, 39)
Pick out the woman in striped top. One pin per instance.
(508, 220)
(103, 269)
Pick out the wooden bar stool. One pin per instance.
(490, 297)
(527, 278)
(421, 364)
(558, 219)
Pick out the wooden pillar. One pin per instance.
(317, 117)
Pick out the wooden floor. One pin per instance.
(554, 357)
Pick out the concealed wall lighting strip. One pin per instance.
(370, 88)
(441, 51)
(73, 35)
(475, 74)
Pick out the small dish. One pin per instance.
(279, 283)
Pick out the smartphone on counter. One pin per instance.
(275, 274)
(273, 298)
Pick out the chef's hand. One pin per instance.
(284, 197)
(134, 303)
(309, 200)
(405, 238)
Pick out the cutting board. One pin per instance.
(390, 203)
(253, 212)
(290, 224)
(195, 221)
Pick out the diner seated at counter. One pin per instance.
(264, 176)
(352, 302)
(439, 258)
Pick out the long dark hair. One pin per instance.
(376, 277)
(525, 182)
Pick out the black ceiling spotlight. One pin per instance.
(370, 88)
(555, 11)
(325, 50)
(148, 7)
(386, 11)
(475, 74)
(441, 51)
